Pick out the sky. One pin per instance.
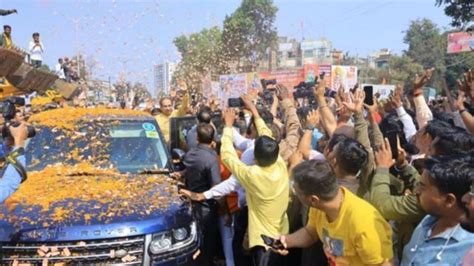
(130, 36)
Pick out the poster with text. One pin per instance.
(289, 78)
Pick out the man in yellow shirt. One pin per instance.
(6, 37)
(352, 231)
(167, 112)
(266, 185)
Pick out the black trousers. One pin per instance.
(240, 228)
(262, 257)
(206, 215)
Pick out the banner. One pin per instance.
(343, 75)
(254, 84)
(326, 69)
(310, 72)
(382, 90)
(460, 42)
(231, 86)
(289, 78)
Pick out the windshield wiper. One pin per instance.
(154, 171)
(85, 173)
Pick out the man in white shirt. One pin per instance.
(36, 49)
(59, 69)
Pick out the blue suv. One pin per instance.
(98, 193)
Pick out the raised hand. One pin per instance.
(467, 83)
(313, 118)
(383, 156)
(357, 104)
(320, 89)
(396, 98)
(248, 104)
(229, 117)
(282, 92)
(420, 82)
(459, 104)
(374, 107)
(401, 156)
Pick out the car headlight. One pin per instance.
(173, 239)
(180, 234)
(160, 244)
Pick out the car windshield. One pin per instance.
(128, 146)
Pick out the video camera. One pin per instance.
(267, 94)
(304, 90)
(8, 110)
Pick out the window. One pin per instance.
(308, 53)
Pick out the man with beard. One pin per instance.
(6, 37)
(439, 239)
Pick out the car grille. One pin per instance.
(93, 252)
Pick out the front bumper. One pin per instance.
(98, 252)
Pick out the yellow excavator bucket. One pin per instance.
(18, 77)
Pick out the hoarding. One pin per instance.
(310, 72)
(460, 42)
(289, 78)
(231, 86)
(343, 75)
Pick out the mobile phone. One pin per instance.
(369, 95)
(392, 138)
(235, 102)
(272, 242)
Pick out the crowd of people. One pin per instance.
(338, 182)
(66, 70)
(343, 183)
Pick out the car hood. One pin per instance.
(62, 207)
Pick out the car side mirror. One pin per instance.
(177, 155)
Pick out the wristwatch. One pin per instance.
(17, 152)
(462, 111)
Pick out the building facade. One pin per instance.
(295, 54)
(162, 75)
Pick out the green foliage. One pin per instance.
(45, 67)
(402, 70)
(250, 30)
(426, 46)
(201, 54)
(461, 11)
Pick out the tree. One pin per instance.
(461, 11)
(140, 91)
(402, 70)
(249, 32)
(426, 47)
(201, 54)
